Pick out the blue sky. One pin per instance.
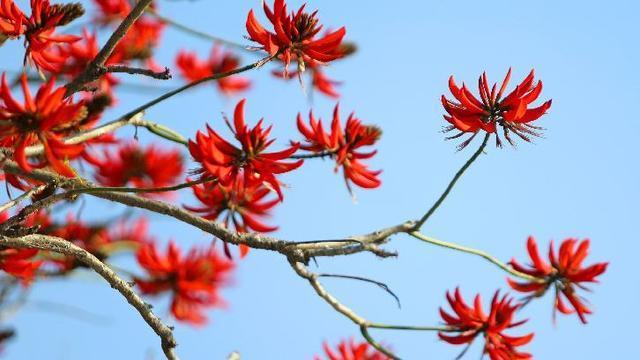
(580, 180)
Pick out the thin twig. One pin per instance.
(453, 183)
(95, 69)
(11, 203)
(161, 75)
(62, 246)
(492, 259)
(381, 285)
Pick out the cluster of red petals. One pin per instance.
(193, 69)
(344, 145)
(295, 36)
(194, 279)
(237, 204)
(564, 270)
(351, 350)
(39, 30)
(45, 120)
(222, 160)
(18, 262)
(513, 112)
(471, 321)
(140, 167)
(12, 20)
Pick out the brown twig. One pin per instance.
(62, 246)
(161, 75)
(96, 68)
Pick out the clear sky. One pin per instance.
(581, 180)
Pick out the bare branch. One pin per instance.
(96, 68)
(162, 75)
(62, 246)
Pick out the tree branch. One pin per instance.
(62, 246)
(453, 183)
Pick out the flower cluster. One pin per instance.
(39, 30)
(468, 322)
(194, 69)
(513, 112)
(194, 280)
(141, 167)
(295, 36)
(344, 146)
(44, 120)
(564, 272)
(225, 162)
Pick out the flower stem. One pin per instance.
(492, 259)
(414, 328)
(365, 333)
(453, 183)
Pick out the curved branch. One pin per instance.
(492, 259)
(453, 183)
(62, 246)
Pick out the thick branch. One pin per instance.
(62, 246)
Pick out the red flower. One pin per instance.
(19, 263)
(110, 11)
(41, 36)
(194, 69)
(239, 205)
(472, 321)
(12, 20)
(350, 350)
(194, 279)
(344, 146)
(43, 120)
(224, 161)
(564, 271)
(513, 112)
(148, 167)
(295, 36)
(139, 43)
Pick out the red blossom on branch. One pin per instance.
(194, 279)
(12, 20)
(564, 271)
(295, 36)
(237, 204)
(40, 33)
(351, 350)
(44, 120)
(226, 162)
(472, 321)
(193, 69)
(513, 112)
(344, 146)
(140, 167)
